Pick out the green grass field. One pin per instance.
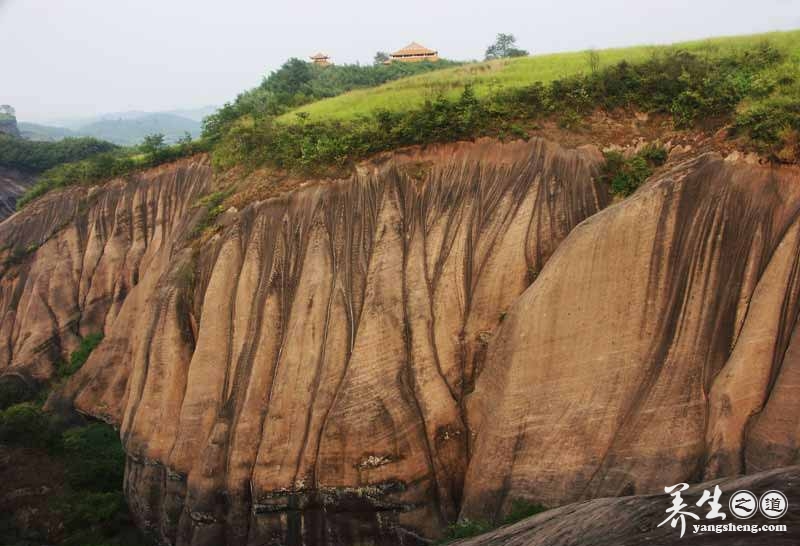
(487, 77)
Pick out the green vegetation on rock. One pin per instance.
(212, 208)
(489, 78)
(522, 509)
(625, 174)
(466, 528)
(80, 355)
(102, 166)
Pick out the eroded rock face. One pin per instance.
(656, 346)
(78, 255)
(337, 333)
(362, 361)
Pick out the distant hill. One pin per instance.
(131, 131)
(44, 133)
(122, 128)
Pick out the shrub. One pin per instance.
(521, 509)
(465, 528)
(80, 355)
(771, 125)
(654, 154)
(212, 208)
(625, 175)
(27, 425)
(91, 508)
(95, 458)
(15, 390)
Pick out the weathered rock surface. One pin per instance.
(362, 361)
(80, 252)
(322, 354)
(634, 520)
(658, 345)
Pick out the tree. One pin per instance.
(7, 109)
(291, 79)
(380, 57)
(186, 139)
(153, 144)
(504, 46)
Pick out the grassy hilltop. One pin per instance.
(489, 77)
(749, 84)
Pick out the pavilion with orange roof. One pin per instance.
(413, 53)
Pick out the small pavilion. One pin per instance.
(413, 53)
(321, 59)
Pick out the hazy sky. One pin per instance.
(70, 58)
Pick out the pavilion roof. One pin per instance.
(414, 49)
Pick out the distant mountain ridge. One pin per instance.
(36, 131)
(128, 132)
(123, 128)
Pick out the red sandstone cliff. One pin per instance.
(401, 348)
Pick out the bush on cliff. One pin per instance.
(80, 355)
(91, 504)
(465, 528)
(624, 174)
(773, 125)
(522, 509)
(95, 459)
(27, 425)
(15, 390)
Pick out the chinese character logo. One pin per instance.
(676, 511)
(773, 504)
(743, 504)
(713, 503)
